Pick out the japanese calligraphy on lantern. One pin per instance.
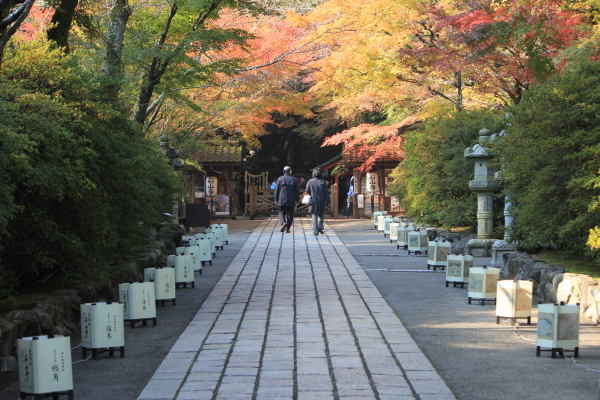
(372, 183)
(211, 186)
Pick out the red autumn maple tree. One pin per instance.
(501, 49)
(268, 80)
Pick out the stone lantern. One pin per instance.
(485, 184)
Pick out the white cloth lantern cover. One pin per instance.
(514, 299)
(458, 268)
(483, 284)
(45, 365)
(558, 327)
(102, 327)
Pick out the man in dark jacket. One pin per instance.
(287, 196)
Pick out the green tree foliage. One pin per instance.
(79, 189)
(432, 181)
(552, 159)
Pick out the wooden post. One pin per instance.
(253, 200)
(334, 200)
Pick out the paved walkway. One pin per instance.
(295, 317)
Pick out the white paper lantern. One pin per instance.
(438, 252)
(513, 300)
(381, 223)
(102, 328)
(458, 268)
(483, 284)
(45, 365)
(139, 301)
(225, 231)
(558, 328)
(418, 242)
(387, 221)
(194, 252)
(376, 215)
(171, 260)
(403, 230)
(164, 283)
(211, 237)
(219, 235)
(184, 270)
(204, 250)
(394, 231)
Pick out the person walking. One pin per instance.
(287, 196)
(317, 189)
(350, 197)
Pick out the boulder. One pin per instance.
(9, 364)
(25, 321)
(45, 313)
(8, 337)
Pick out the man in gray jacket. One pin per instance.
(287, 196)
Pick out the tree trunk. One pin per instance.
(113, 67)
(160, 63)
(459, 90)
(10, 22)
(61, 23)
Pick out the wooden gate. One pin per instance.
(258, 195)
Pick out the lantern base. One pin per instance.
(144, 321)
(161, 302)
(418, 252)
(184, 284)
(403, 247)
(436, 266)
(462, 284)
(555, 351)
(110, 350)
(38, 396)
(482, 301)
(513, 320)
(204, 262)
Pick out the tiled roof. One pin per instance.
(360, 155)
(219, 154)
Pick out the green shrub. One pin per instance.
(433, 181)
(80, 185)
(552, 153)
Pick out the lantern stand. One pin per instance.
(483, 289)
(402, 235)
(139, 302)
(35, 356)
(163, 278)
(184, 271)
(438, 252)
(98, 338)
(417, 242)
(555, 332)
(514, 299)
(394, 231)
(458, 268)
(225, 233)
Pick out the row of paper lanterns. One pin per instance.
(558, 324)
(45, 366)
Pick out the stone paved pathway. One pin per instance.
(295, 317)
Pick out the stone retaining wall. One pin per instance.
(553, 285)
(59, 313)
